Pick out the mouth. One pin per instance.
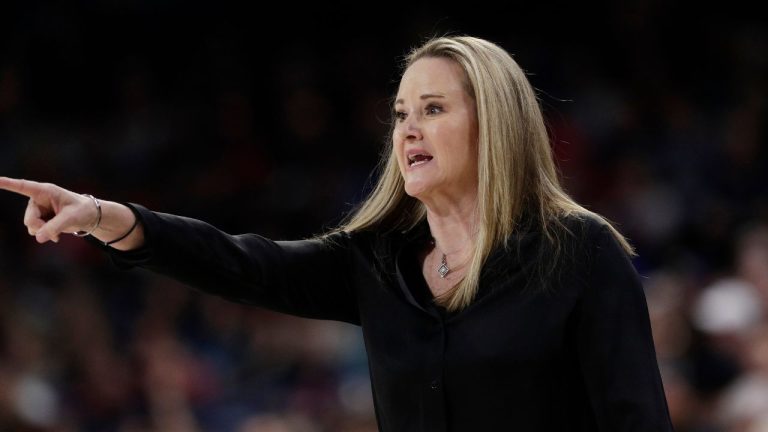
(417, 159)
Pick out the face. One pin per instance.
(435, 135)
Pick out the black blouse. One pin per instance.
(576, 357)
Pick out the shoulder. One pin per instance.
(335, 241)
(580, 230)
(588, 238)
(370, 243)
(600, 247)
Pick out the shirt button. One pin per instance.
(435, 385)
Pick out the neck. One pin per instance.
(453, 225)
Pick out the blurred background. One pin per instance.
(273, 122)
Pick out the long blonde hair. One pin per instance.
(516, 171)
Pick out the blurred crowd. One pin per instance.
(206, 114)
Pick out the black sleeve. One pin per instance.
(615, 346)
(308, 278)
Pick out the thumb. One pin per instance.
(53, 228)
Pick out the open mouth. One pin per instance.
(418, 159)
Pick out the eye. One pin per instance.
(399, 115)
(434, 109)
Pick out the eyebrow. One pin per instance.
(422, 97)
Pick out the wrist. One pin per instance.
(96, 224)
(118, 222)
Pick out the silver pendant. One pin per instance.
(443, 269)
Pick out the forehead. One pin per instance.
(434, 75)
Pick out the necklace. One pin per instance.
(443, 268)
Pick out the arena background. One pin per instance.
(272, 122)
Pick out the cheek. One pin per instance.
(469, 135)
(459, 148)
(397, 150)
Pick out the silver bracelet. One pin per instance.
(98, 218)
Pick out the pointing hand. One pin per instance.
(52, 210)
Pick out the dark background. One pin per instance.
(272, 122)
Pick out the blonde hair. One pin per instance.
(516, 171)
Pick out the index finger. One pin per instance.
(29, 188)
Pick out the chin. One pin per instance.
(416, 190)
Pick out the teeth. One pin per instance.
(414, 156)
(418, 158)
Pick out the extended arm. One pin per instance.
(308, 278)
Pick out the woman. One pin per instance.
(489, 300)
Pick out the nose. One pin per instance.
(411, 128)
